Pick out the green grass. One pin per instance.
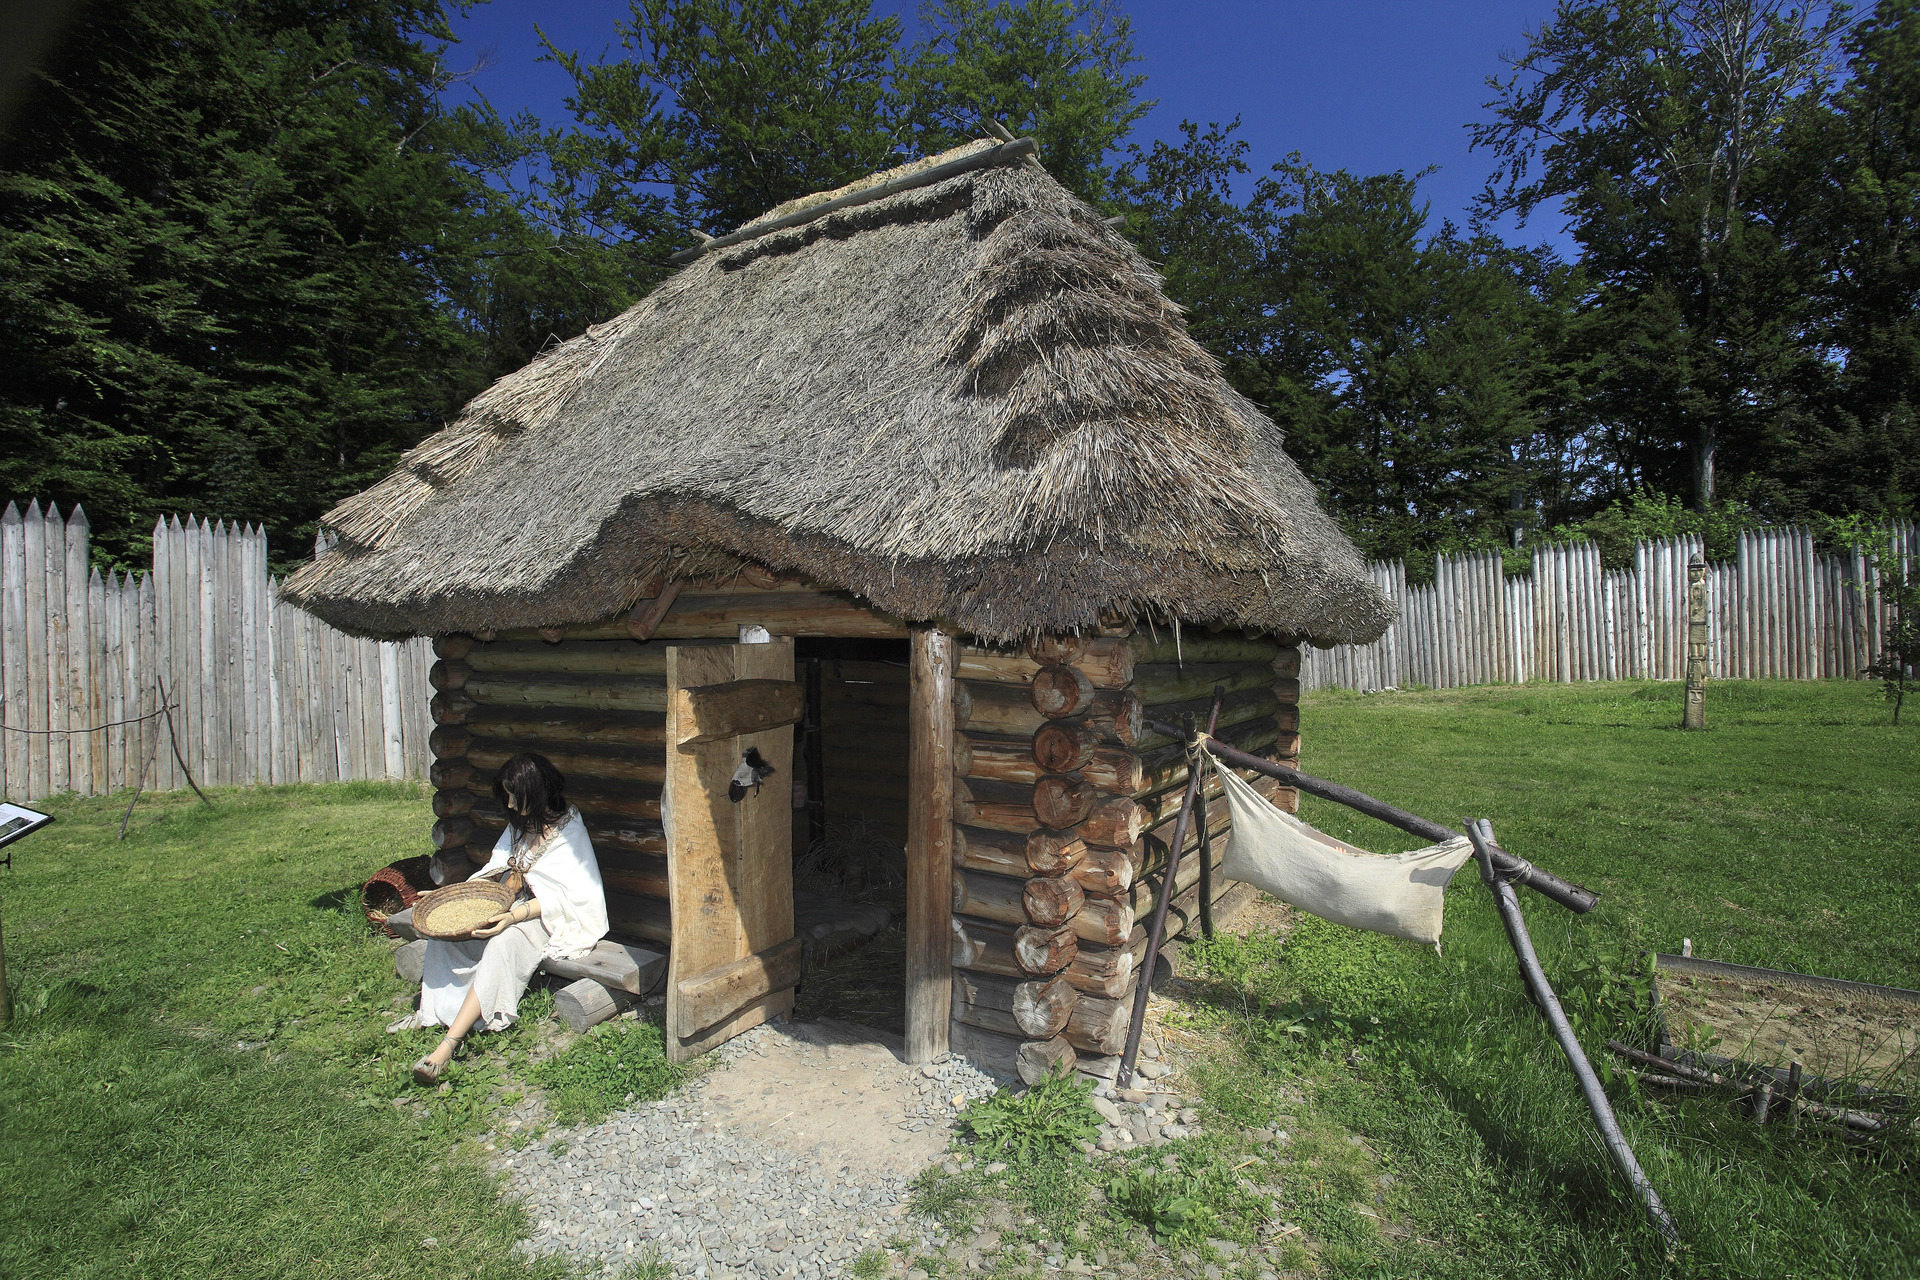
(197, 1081)
(1784, 837)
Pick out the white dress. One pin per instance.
(573, 917)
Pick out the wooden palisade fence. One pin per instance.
(1778, 610)
(258, 692)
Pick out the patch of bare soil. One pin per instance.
(1836, 1034)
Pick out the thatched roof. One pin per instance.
(968, 400)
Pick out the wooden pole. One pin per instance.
(1571, 896)
(1157, 930)
(1694, 716)
(1481, 833)
(929, 958)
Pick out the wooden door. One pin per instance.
(734, 959)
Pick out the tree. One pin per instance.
(1848, 196)
(1055, 70)
(723, 109)
(222, 244)
(1651, 123)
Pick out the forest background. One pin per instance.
(250, 254)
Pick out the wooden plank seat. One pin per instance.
(611, 978)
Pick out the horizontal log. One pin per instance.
(1161, 806)
(1012, 853)
(990, 1050)
(444, 675)
(1000, 759)
(1113, 822)
(1037, 1008)
(1045, 650)
(1107, 664)
(1003, 853)
(706, 998)
(449, 803)
(452, 833)
(991, 897)
(1051, 900)
(1286, 663)
(1062, 800)
(1101, 920)
(984, 945)
(1037, 1060)
(1106, 871)
(1115, 714)
(998, 806)
(576, 657)
(1040, 949)
(592, 796)
(450, 773)
(1165, 767)
(1060, 691)
(1105, 971)
(451, 707)
(608, 832)
(544, 728)
(627, 766)
(1098, 1025)
(1062, 746)
(1235, 708)
(585, 1003)
(715, 712)
(589, 693)
(1161, 683)
(639, 917)
(1200, 647)
(454, 646)
(782, 613)
(625, 872)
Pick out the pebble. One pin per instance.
(655, 1178)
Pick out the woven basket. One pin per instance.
(489, 893)
(394, 888)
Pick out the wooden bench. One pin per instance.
(611, 978)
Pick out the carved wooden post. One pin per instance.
(1695, 714)
(929, 959)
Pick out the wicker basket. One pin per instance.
(457, 905)
(393, 889)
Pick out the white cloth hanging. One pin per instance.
(1396, 894)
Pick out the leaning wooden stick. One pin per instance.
(1517, 871)
(1481, 833)
(1157, 930)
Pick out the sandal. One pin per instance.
(427, 1071)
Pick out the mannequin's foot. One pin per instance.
(428, 1069)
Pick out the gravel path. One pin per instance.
(786, 1160)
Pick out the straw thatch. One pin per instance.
(966, 401)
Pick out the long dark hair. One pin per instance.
(541, 790)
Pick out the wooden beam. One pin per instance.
(719, 993)
(645, 617)
(929, 959)
(711, 712)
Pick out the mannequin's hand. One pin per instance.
(493, 924)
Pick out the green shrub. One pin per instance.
(1044, 1121)
(1171, 1204)
(615, 1064)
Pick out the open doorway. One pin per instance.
(850, 827)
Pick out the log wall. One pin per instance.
(1064, 806)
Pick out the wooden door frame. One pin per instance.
(929, 922)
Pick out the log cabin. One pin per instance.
(940, 439)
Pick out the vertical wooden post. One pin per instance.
(1695, 714)
(929, 958)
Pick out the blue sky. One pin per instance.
(1369, 87)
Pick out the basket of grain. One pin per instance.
(453, 912)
